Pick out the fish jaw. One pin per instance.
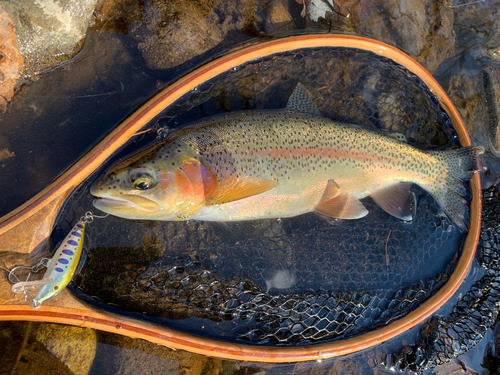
(131, 206)
(125, 208)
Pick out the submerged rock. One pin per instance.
(423, 29)
(117, 15)
(48, 31)
(11, 64)
(491, 86)
(73, 346)
(126, 356)
(174, 33)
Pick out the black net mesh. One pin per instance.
(447, 338)
(282, 282)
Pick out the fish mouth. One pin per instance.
(112, 206)
(134, 206)
(106, 203)
(109, 204)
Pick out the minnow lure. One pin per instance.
(60, 268)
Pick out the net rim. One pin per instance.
(84, 317)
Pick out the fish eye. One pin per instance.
(141, 179)
(143, 183)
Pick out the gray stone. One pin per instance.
(49, 31)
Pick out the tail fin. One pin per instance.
(461, 163)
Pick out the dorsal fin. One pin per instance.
(301, 101)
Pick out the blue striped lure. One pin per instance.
(60, 268)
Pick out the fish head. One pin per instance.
(154, 185)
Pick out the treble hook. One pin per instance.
(13, 278)
(36, 268)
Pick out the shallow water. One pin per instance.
(56, 119)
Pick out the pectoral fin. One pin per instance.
(340, 205)
(246, 187)
(395, 200)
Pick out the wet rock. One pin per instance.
(477, 27)
(5, 153)
(118, 15)
(422, 29)
(455, 368)
(11, 63)
(278, 19)
(266, 18)
(176, 32)
(24, 349)
(491, 97)
(464, 93)
(123, 355)
(328, 367)
(48, 31)
(489, 49)
(75, 347)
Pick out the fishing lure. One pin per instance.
(60, 268)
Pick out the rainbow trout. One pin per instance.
(281, 163)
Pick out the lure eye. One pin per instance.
(55, 288)
(141, 179)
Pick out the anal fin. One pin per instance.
(395, 200)
(340, 205)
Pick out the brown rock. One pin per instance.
(186, 37)
(278, 20)
(143, 357)
(22, 354)
(423, 29)
(118, 15)
(11, 61)
(174, 33)
(5, 154)
(464, 91)
(75, 347)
